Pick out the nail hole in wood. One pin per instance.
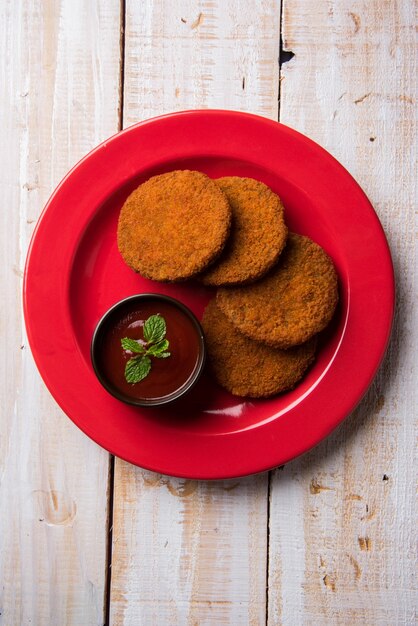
(285, 55)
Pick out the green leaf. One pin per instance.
(137, 369)
(132, 345)
(157, 348)
(154, 329)
(162, 355)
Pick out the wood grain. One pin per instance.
(343, 518)
(193, 54)
(342, 539)
(59, 71)
(189, 552)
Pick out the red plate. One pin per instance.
(74, 273)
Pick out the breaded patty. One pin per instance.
(258, 233)
(174, 225)
(249, 368)
(293, 302)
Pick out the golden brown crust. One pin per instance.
(296, 300)
(249, 368)
(258, 233)
(174, 225)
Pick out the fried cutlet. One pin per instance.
(293, 302)
(173, 225)
(249, 368)
(258, 233)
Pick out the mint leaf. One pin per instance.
(157, 348)
(139, 366)
(154, 329)
(162, 355)
(137, 369)
(132, 345)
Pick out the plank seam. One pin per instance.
(122, 63)
(284, 56)
(111, 479)
(268, 546)
(108, 582)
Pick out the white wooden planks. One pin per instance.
(193, 54)
(189, 552)
(343, 521)
(59, 91)
(186, 552)
(342, 518)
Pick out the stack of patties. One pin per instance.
(261, 338)
(276, 291)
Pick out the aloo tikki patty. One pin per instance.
(296, 300)
(173, 225)
(258, 233)
(249, 368)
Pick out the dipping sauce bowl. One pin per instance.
(169, 378)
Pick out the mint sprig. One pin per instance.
(154, 344)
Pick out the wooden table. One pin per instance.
(88, 539)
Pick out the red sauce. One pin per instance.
(167, 375)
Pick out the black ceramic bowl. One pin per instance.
(169, 378)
